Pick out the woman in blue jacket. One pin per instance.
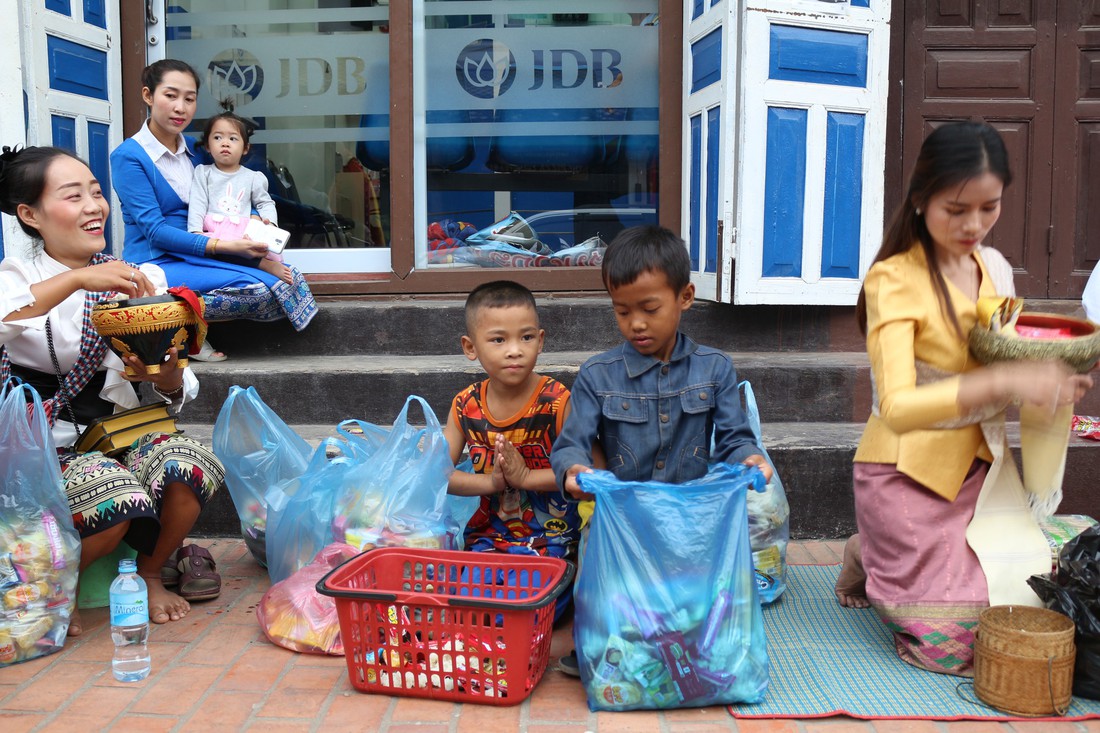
(151, 172)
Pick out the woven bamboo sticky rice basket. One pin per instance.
(1023, 660)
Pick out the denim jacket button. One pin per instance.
(626, 405)
(664, 369)
(664, 418)
(702, 395)
(660, 464)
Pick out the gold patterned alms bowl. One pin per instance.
(1078, 342)
(149, 327)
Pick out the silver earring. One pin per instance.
(918, 212)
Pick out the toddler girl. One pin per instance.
(224, 194)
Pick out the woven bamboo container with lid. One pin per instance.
(1023, 660)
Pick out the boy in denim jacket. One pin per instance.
(654, 403)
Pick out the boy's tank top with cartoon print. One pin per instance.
(518, 521)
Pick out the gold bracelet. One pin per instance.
(171, 395)
(214, 245)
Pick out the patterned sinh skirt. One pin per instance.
(234, 288)
(259, 302)
(104, 491)
(923, 579)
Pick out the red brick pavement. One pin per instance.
(215, 671)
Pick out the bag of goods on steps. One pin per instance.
(667, 609)
(259, 452)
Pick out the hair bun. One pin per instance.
(7, 157)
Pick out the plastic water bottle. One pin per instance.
(130, 624)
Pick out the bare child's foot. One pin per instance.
(511, 463)
(851, 586)
(164, 605)
(278, 269)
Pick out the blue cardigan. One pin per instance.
(156, 227)
(154, 215)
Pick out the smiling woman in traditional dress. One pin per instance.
(945, 526)
(152, 494)
(152, 173)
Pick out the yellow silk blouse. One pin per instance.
(905, 323)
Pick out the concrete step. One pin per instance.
(421, 327)
(830, 386)
(814, 459)
(792, 386)
(362, 358)
(431, 326)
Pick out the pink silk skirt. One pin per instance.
(922, 577)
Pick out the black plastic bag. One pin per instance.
(1075, 591)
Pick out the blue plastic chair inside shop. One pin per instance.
(443, 153)
(566, 153)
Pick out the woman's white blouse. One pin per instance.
(25, 339)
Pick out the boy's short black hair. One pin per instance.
(642, 249)
(496, 294)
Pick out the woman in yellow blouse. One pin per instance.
(945, 528)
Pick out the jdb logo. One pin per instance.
(487, 68)
(235, 74)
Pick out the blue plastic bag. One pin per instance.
(667, 610)
(399, 496)
(259, 452)
(39, 546)
(769, 518)
(303, 524)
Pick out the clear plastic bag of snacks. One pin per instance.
(39, 549)
(294, 615)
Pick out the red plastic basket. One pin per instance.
(446, 625)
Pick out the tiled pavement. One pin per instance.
(214, 671)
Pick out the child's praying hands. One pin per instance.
(499, 482)
(511, 463)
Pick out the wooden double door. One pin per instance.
(1030, 68)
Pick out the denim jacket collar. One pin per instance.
(637, 364)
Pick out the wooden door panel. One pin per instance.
(948, 13)
(963, 73)
(1012, 13)
(1076, 155)
(991, 60)
(1088, 198)
(1016, 215)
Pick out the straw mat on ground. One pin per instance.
(826, 660)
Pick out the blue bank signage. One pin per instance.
(349, 74)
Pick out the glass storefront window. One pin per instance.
(540, 130)
(534, 134)
(314, 76)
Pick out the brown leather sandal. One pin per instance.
(199, 580)
(170, 572)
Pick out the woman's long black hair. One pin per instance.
(952, 154)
